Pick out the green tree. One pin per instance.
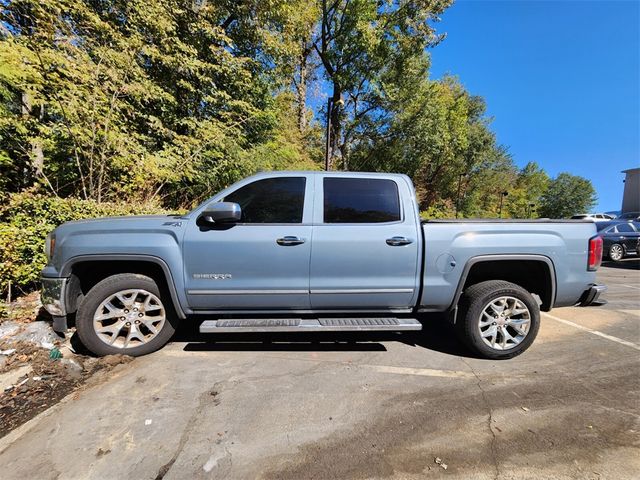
(154, 99)
(567, 195)
(531, 184)
(437, 133)
(357, 42)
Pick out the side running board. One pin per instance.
(309, 325)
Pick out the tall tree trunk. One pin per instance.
(37, 156)
(301, 87)
(336, 124)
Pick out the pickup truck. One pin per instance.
(314, 252)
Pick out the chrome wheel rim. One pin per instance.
(504, 323)
(615, 252)
(129, 318)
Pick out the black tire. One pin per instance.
(109, 287)
(616, 252)
(471, 306)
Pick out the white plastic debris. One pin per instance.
(38, 333)
(73, 368)
(148, 421)
(439, 461)
(10, 351)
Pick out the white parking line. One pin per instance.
(595, 332)
(424, 372)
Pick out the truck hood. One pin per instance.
(144, 234)
(136, 223)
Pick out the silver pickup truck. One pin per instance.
(313, 252)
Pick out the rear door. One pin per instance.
(628, 236)
(365, 243)
(261, 262)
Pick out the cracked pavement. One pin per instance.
(358, 406)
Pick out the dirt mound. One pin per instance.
(37, 367)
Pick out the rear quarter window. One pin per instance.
(625, 228)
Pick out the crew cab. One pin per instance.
(313, 252)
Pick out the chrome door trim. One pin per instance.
(364, 290)
(247, 292)
(299, 292)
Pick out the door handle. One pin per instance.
(398, 241)
(289, 241)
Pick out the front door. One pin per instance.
(365, 244)
(261, 262)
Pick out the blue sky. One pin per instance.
(561, 80)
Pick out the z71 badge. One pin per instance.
(212, 276)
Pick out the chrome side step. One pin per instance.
(309, 325)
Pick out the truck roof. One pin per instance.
(284, 173)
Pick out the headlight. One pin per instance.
(49, 245)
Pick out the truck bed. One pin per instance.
(451, 250)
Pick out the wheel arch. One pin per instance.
(535, 273)
(85, 271)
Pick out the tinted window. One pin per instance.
(624, 228)
(272, 200)
(360, 200)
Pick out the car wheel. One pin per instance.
(498, 319)
(616, 252)
(125, 314)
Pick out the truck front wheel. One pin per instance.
(497, 319)
(124, 313)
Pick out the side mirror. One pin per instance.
(222, 212)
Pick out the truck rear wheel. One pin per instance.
(124, 313)
(498, 319)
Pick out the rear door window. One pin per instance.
(360, 200)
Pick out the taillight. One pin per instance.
(595, 253)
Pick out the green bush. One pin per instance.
(26, 219)
(437, 212)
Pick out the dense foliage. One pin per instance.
(25, 220)
(567, 195)
(163, 102)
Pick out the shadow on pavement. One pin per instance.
(437, 335)
(627, 264)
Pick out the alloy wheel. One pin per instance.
(615, 252)
(504, 323)
(129, 318)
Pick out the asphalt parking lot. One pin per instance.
(360, 406)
